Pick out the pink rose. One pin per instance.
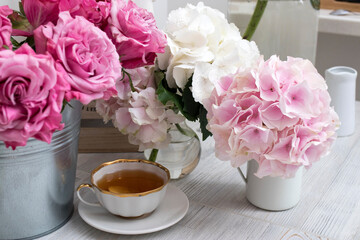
(134, 32)
(40, 12)
(94, 11)
(5, 27)
(278, 114)
(85, 55)
(31, 97)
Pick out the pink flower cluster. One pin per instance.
(80, 51)
(5, 27)
(31, 96)
(132, 29)
(94, 11)
(134, 33)
(139, 113)
(278, 114)
(85, 56)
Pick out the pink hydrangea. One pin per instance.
(141, 78)
(134, 32)
(278, 114)
(5, 27)
(139, 114)
(85, 55)
(94, 11)
(31, 97)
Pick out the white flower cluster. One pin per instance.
(202, 44)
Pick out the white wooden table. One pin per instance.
(329, 207)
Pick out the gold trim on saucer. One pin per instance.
(132, 161)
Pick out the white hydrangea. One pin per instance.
(202, 44)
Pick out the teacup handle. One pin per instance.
(83, 200)
(242, 175)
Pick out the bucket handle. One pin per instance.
(83, 200)
(242, 175)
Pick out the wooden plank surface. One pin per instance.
(333, 4)
(329, 207)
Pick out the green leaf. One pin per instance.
(19, 22)
(65, 103)
(6, 47)
(21, 8)
(31, 42)
(168, 95)
(190, 105)
(203, 123)
(159, 76)
(15, 43)
(315, 4)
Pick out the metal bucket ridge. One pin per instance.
(37, 181)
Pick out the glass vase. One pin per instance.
(182, 155)
(287, 27)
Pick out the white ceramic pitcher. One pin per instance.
(272, 193)
(341, 83)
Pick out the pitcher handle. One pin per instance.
(242, 175)
(83, 200)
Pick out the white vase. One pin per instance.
(272, 193)
(341, 83)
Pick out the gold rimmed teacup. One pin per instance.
(128, 187)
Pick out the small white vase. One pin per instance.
(341, 83)
(272, 193)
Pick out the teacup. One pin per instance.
(128, 187)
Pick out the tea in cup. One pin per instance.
(128, 187)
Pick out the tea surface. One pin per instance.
(130, 181)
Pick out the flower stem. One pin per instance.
(153, 154)
(186, 132)
(255, 19)
(130, 80)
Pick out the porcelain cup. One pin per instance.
(127, 204)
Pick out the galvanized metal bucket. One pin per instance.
(37, 182)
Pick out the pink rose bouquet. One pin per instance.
(94, 11)
(278, 114)
(31, 99)
(85, 55)
(67, 54)
(5, 27)
(134, 33)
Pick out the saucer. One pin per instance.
(170, 211)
